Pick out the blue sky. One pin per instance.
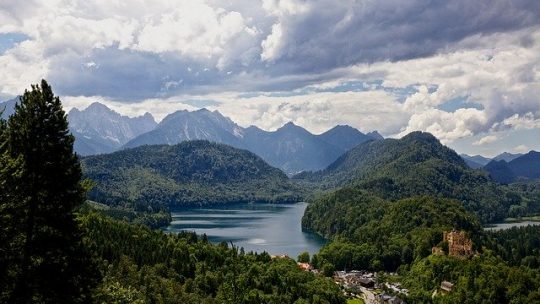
(466, 71)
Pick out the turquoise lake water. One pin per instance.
(275, 229)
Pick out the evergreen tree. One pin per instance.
(43, 259)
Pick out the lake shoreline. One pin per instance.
(273, 228)
(509, 225)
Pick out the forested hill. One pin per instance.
(139, 265)
(417, 164)
(193, 172)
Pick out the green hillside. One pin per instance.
(417, 164)
(190, 173)
(371, 233)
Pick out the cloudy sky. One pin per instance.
(466, 71)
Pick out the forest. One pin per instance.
(139, 265)
(369, 232)
(418, 164)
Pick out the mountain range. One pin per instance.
(507, 168)
(522, 168)
(98, 130)
(479, 161)
(290, 148)
(293, 149)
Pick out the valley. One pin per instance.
(270, 152)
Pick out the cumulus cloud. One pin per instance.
(22, 66)
(318, 112)
(486, 140)
(455, 69)
(192, 29)
(521, 122)
(447, 126)
(272, 44)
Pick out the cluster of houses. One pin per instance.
(355, 278)
(358, 282)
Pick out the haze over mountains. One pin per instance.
(522, 168)
(479, 161)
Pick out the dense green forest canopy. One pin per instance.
(417, 164)
(190, 173)
(371, 233)
(140, 265)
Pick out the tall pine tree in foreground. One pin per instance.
(42, 259)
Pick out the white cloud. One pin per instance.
(522, 122)
(499, 74)
(193, 29)
(22, 66)
(521, 149)
(272, 44)
(317, 112)
(447, 126)
(422, 100)
(486, 140)
(285, 7)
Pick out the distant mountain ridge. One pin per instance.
(98, 129)
(8, 107)
(293, 149)
(508, 157)
(290, 148)
(475, 161)
(479, 161)
(524, 167)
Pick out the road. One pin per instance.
(369, 296)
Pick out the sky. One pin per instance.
(466, 71)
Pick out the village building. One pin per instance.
(305, 266)
(366, 282)
(446, 287)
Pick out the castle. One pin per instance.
(459, 245)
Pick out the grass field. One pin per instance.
(355, 301)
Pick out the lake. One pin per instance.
(502, 226)
(272, 228)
